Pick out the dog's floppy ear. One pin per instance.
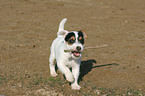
(62, 33)
(84, 33)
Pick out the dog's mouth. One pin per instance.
(76, 53)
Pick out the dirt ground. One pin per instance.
(27, 28)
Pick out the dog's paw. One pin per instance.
(75, 86)
(53, 74)
(69, 78)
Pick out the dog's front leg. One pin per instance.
(75, 71)
(66, 71)
(52, 64)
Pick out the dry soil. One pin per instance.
(27, 28)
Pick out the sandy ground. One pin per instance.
(27, 28)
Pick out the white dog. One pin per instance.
(66, 52)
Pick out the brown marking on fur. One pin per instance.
(72, 38)
(85, 35)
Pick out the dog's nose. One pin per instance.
(78, 48)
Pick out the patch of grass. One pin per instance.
(38, 80)
(46, 81)
(93, 87)
(35, 81)
(52, 79)
(57, 80)
(133, 92)
(3, 79)
(114, 92)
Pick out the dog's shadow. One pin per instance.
(87, 66)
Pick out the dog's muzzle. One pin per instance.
(76, 53)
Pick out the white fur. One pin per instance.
(61, 25)
(65, 60)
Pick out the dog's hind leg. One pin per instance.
(52, 62)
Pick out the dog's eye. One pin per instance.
(81, 40)
(71, 41)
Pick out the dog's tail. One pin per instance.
(61, 30)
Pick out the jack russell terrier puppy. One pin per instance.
(66, 52)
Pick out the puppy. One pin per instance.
(66, 52)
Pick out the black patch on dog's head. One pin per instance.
(81, 37)
(70, 38)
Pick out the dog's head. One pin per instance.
(74, 41)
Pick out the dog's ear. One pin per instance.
(62, 33)
(84, 33)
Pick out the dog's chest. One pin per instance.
(71, 63)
